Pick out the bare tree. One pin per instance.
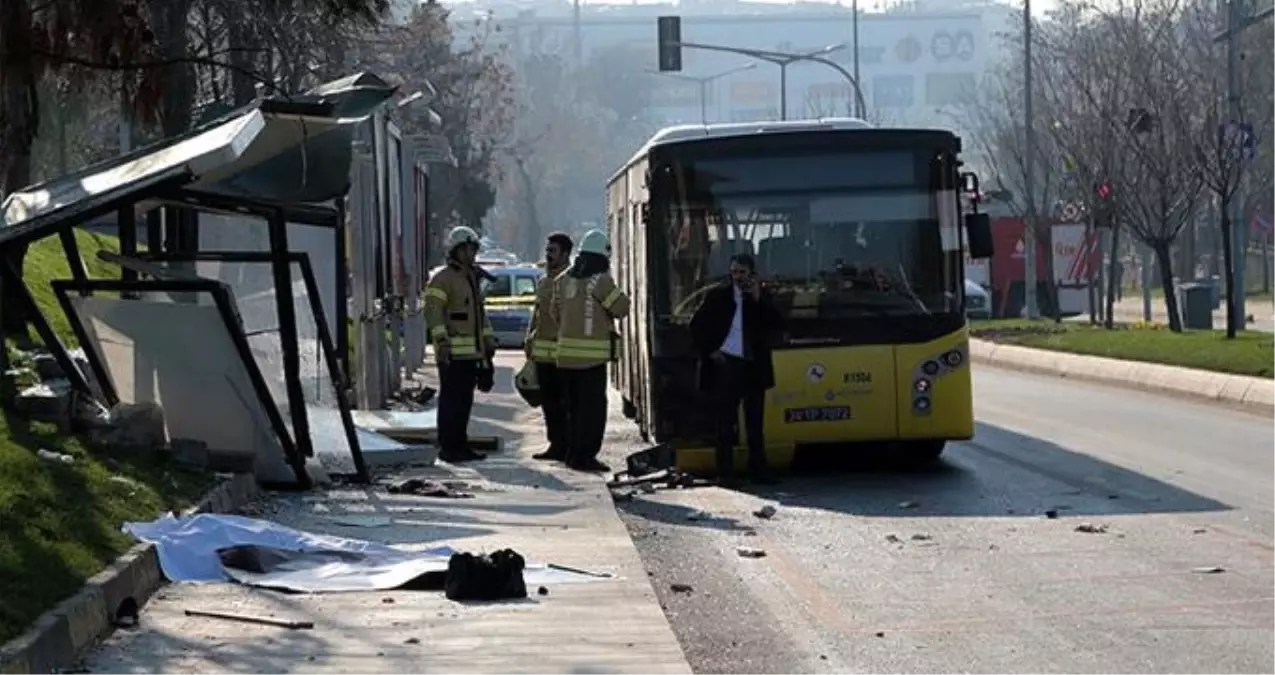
(1001, 138)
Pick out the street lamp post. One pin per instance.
(703, 82)
(1029, 177)
(785, 59)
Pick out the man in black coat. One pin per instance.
(732, 331)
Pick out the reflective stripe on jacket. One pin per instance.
(542, 332)
(455, 314)
(585, 310)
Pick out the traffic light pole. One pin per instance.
(783, 60)
(1236, 23)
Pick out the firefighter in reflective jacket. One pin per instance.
(542, 349)
(463, 342)
(586, 302)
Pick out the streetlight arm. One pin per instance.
(782, 59)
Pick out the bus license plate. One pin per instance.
(823, 414)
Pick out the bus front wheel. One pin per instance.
(925, 451)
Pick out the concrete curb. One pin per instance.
(56, 639)
(1248, 393)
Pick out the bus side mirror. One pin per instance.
(978, 235)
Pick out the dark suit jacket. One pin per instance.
(711, 325)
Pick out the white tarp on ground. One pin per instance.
(188, 552)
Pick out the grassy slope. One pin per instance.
(60, 523)
(1249, 354)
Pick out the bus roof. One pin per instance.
(691, 132)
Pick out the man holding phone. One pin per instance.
(732, 331)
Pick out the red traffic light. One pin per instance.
(1103, 190)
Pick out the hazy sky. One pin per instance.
(1038, 6)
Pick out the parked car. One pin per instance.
(510, 293)
(978, 302)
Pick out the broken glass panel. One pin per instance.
(182, 357)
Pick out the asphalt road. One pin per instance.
(957, 569)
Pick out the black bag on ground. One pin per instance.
(495, 576)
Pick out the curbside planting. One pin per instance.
(1249, 393)
(56, 639)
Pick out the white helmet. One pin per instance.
(461, 235)
(596, 241)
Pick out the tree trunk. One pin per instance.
(1164, 260)
(19, 123)
(168, 21)
(531, 231)
(1115, 277)
(1228, 265)
(240, 41)
(1045, 235)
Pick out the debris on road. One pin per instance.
(387, 601)
(412, 641)
(909, 504)
(680, 588)
(880, 634)
(361, 520)
(1199, 530)
(750, 552)
(127, 615)
(244, 618)
(574, 570)
(893, 539)
(542, 591)
(428, 488)
(1090, 528)
(921, 536)
(766, 512)
(1209, 570)
(1051, 514)
(55, 456)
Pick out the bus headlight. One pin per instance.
(953, 359)
(922, 385)
(921, 403)
(930, 368)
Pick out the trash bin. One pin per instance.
(1215, 290)
(1196, 305)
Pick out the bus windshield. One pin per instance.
(834, 236)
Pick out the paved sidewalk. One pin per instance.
(1129, 310)
(547, 514)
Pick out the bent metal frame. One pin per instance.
(220, 294)
(151, 264)
(165, 177)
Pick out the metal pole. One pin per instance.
(779, 58)
(783, 90)
(1029, 177)
(1234, 112)
(854, 7)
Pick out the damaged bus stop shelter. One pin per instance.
(231, 315)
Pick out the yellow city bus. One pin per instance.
(859, 239)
